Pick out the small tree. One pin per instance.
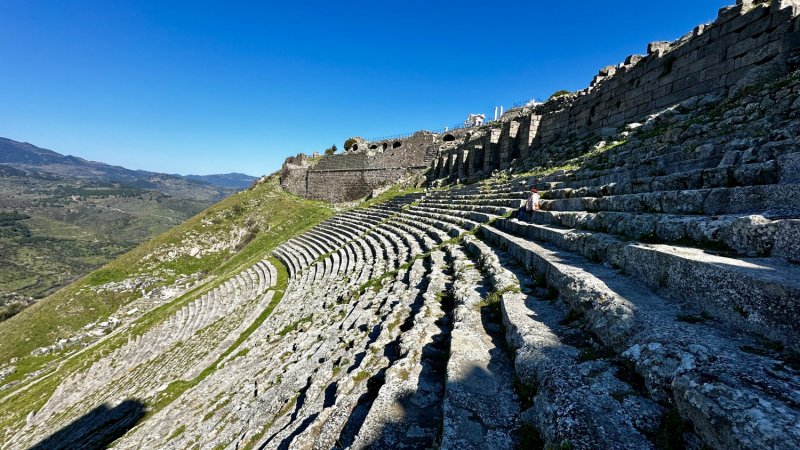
(348, 144)
(330, 150)
(560, 94)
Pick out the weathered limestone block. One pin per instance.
(789, 168)
(657, 48)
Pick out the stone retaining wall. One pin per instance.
(354, 174)
(746, 46)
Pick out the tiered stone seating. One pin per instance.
(700, 294)
(191, 339)
(605, 334)
(656, 282)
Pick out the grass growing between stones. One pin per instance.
(702, 317)
(177, 432)
(549, 170)
(529, 437)
(395, 191)
(526, 393)
(283, 216)
(177, 388)
(670, 434)
(493, 300)
(295, 325)
(361, 376)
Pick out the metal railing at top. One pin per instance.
(525, 102)
(387, 138)
(457, 126)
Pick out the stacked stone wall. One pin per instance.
(746, 45)
(294, 173)
(355, 174)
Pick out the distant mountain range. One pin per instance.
(239, 180)
(30, 158)
(62, 216)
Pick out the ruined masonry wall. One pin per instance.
(353, 175)
(747, 45)
(741, 44)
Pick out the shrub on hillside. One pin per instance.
(331, 150)
(348, 144)
(560, 93)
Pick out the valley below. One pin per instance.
(54, 230)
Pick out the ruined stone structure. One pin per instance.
(746, 46)
(355, 173)
(651, 302)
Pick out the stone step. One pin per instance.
(407, 411)
(504, 202)
(370, 215)
(752, 234)
(288, 261)
(301, 252)
(426, 236)
(744, 175)
(379, 241)
(488, 209)
(311, 253)
(480, 408)
(693, 365)
(701, 201)
(458, 215)
(312, 245)
(405, 243)
(342, 234)
(450, 229)
(434, 215)
(483, 195)
(569, 400)
(357, 226)
(333, 237)
(414, 238)
(760, 295)
(668, 172)
(361, 220)
(324, 243)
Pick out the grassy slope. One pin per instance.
(42, 324)
(76, 227)
(286, 215)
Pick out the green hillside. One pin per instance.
(262, 218)
(67, 228)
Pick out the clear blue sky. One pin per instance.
(214, 87)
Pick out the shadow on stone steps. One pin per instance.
(96, 429)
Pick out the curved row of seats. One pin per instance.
(189, 333)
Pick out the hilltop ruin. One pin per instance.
(650, 303)
(748, 45)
